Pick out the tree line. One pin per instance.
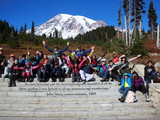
(105, 37)
(134, 11)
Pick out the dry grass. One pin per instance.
(28, 46)
(151, 45)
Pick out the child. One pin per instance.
(125, 86)
(23, 60)
(81, 52)
(56, 69)
(14, 74)
(114, 73)
(75, 69)
(42, 73)
(86, 72)
(94, 61)
(115, 58)
(9, 65)
(27, 71)
(56, 51)
(103, 70)
(149, 74)
(124, 64)
(138, 84)
(44, 60)
(2, 62)
(39, 56)
(64, 66)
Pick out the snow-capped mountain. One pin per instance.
(68, 26)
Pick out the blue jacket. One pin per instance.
(23, 62)
(57, 54)
(128, 80)
(87, 69)
(80, 53)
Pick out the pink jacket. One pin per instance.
(24, 69)
(72, 66)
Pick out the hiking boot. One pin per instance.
(54, 79)
(68, 76)
(13, 84)
(103, 80)
(135, 99)
(84, 81)
(119, 83)
(9, 84)
(147, 97)
(62, 80)
(121, 99)
(6, 76)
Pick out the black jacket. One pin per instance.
(2, 59)
(148, 71)
(14, 71)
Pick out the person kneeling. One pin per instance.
(138, 84)
(125, 86)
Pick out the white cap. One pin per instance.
(103, 60)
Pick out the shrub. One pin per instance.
(138, 48)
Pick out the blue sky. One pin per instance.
(17, 12)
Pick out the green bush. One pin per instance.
(12, 42)
(138, 48)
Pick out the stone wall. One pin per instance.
(154, 88)
(155, 95)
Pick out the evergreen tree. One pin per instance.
(21, 30)
(50, 36)
(120, 18)
(32, 29)
(6, 32)
(12, 31)
(44, 35)
(1, 26)
(56, 34)
(137, 12)
(25, 28)
(127, 10)
(152, 16)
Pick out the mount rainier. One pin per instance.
(68, 26)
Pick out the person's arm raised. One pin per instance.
(70, 64)
(45, 45)
(92, 48)
(134, 58)
(63, 50)
(90, 54)
(80, 65)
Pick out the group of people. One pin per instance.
(134, 82)
(81, 64)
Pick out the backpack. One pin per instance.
(130, 97)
